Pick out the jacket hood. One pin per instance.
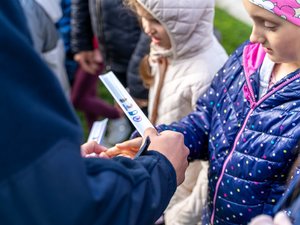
(189, 23)
(52, 8)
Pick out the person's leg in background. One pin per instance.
(85, 98)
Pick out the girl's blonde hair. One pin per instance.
(131, 4)
(145, 72)
(144, 67)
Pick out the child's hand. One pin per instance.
(127, 148)
(93, 149)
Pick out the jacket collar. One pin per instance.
(253, 57)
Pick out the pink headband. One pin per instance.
(286, 9)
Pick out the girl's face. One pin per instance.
(280, 38)
(154, 29)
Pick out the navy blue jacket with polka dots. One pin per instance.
(250, 142)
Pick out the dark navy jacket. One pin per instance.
(43, 178)
(121, 41)
(249, 141)
(115, 26)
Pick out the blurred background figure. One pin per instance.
(64, 28)
(85, 96)
(42, 16)
(84, 93)
(118, 33)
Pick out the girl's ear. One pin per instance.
(145, 71)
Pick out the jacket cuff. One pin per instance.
(168, 168)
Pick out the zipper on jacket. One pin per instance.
(253, 105)
(226, 162)
(250, 90)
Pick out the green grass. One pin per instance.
(83, 124)
(233, 33)
(104, 93)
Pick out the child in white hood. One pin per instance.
(184, 57)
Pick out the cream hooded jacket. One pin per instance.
(193, 60)
(196, 55)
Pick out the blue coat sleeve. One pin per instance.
(43, 178)
(138, 190)
(196, 126)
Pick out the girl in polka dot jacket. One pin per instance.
(247, 123)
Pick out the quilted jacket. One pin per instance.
(249, 141)
(195, 57)
(116, 28)
(288, 208)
